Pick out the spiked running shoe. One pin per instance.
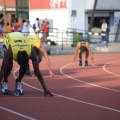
(86, 63)
(19, 88)
(80, 62)
(4, 89)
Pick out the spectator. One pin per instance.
(46, 20)
(1, 29)
(103, 31)
(36, 25)
(16, 25)
(48, 29)
(8, 28)
(45, 30)
(26, 27)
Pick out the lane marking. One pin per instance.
(104, 68)
(75, 100)
(69, 98)
(61, 71)
(16, 113)
(72, 99)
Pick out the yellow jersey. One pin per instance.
(82, 43)
(34, 40)
(18, 42)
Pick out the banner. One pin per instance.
(47, 4)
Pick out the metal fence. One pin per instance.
(72, 36)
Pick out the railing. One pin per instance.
(70, 37)
(94, 37)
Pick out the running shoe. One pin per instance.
(80, 62)
(86, 63)
(19, 88)
(4, 89)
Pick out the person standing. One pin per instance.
(26, 27)
(36, 25)
(16, 25)
(8, 28)
(103, 31)
(45, 31)
(1, 29)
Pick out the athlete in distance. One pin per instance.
(83, 47)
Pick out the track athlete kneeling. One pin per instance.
(83, 46)
(17, 48)
(36, 43)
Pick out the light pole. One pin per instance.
(92, 17)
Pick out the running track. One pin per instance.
(80, 93)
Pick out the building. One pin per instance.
(12, 9)
(7, 7)
(75, 14)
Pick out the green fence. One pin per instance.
(22, 8)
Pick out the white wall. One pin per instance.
(62, 17)
(89, 4)
(79, 20)
(59, 17)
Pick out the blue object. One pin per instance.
(19, 29)
(34, 26)
(85, 36)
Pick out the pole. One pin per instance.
(4, 14)
(62, 40)
(4, 7)
(16, 12)
(117, 33)
(92, 17)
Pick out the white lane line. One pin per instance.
(69, 98)
(104, 68)
(72, 99)
(115, 110)
(61, 71)
(16, 113)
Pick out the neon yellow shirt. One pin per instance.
(18, 42)
(34, 40)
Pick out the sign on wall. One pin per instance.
(47, 4)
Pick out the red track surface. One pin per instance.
(81, 93)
